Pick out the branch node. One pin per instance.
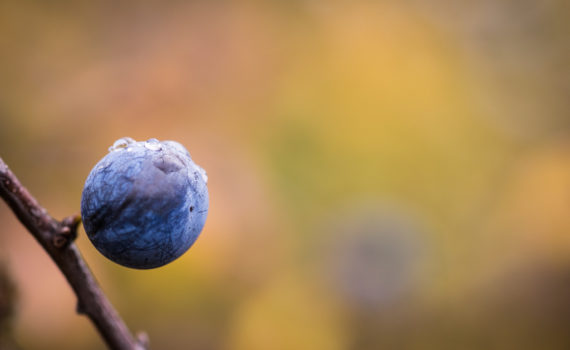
(60, 241)
(72, 221)
(67, 232)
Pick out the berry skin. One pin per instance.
(145, 203)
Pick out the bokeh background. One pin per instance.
(383, 174)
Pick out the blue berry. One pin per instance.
(145, 203)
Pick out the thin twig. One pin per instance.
(56, 237)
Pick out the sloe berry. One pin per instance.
(145, 203)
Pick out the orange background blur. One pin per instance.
(382, 174)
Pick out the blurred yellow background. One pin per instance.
(382, 174)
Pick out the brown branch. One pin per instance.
(56, 237)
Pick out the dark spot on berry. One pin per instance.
(191, 209)
(167, 164)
